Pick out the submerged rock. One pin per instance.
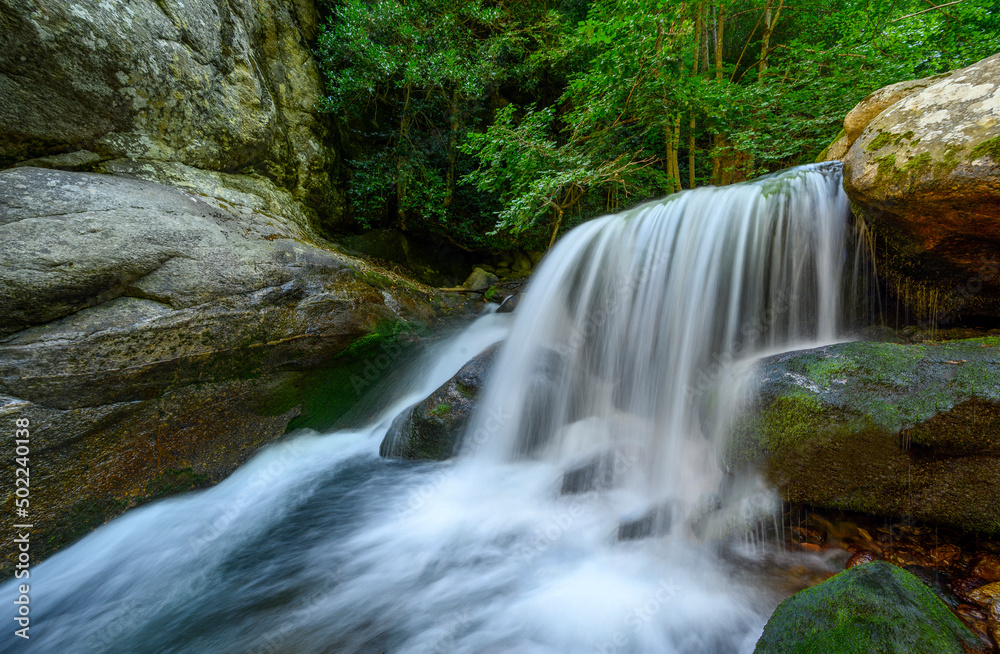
(145, 330)
(655, 522)
(925, 173)
(873, 607)
(432, 429)
(881, 428)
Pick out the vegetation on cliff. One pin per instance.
(498, 125)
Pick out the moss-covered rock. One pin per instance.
(873, 607)
(432, 428)
(882, 428)
(145, 329)
(925, 174)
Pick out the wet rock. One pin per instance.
(964, 586)
(988, 597)
(925, 174)
(870, 607)
(433, 428)
(597, 474)
(988, 567)
(509, 304)
(654, 523)
(858, 558)
(145, 330)
(881, 428)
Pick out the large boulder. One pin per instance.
(925, 173)
(881, 428)
(874, 607)
(150, 334)
(218, 85)
(433, 428)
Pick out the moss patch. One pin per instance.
(874, 607)
(990, 148)
(442, 409)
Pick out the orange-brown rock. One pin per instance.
(925, 172)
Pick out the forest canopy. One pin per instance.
(498, 124)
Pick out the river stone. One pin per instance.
(480, 280)
(925, 173)
(882, 428)
(146, 331)
(221, 85)
(433, 428)
(872, 607)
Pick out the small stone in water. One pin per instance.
(864, 556)
(988, 567)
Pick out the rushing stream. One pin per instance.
(621, 347)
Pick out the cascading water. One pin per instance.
(524, 543)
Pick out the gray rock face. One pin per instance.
(145, 329)
(925, 172)
(875, 103)
(432, 429)
(221, 85)
(881, 428)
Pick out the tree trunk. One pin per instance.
(769, 23)
(720, 26)
(676, 143)
(401, 174)
(555, 230)
(452, 150)
(691, 153)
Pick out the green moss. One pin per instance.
(887, 138)
(990, 148)
(441, 410)
(824, 371)
(492, 294)
(917, 165)
(874, 607)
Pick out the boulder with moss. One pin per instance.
(882, 428)
(925, 173)
(145, 330)
(433, 428)
(873, 607)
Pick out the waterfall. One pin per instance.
(629, 317)
(539, 538)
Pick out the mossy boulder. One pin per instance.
(882, 428)
(145, 329)
(433, 428)
(925, 173)
(873, 607)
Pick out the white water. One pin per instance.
(317, 545)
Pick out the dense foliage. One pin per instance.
(495, 124)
